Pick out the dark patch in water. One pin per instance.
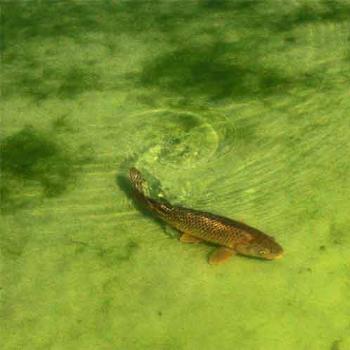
(290, 39)
(131, 248)
(12, 250)
(65, 18)
(225, 5)
(39, 77)
(13, 244)
(106, 306)
(336, 345)
(304, 269)
(110, 255)
(113, 256)
(80, 247)
(325, 11)
(23, 152)
(338, 234)
(202, 70)
(77, 80)
(245, 130)
(185, 122)
(61, 124)
(30, 158)
(40, 83)
(205, 71)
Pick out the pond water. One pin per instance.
(239, 108)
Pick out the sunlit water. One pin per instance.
(233, 107)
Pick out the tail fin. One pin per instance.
(137, 181)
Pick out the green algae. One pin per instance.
(201, 70)
(36, 164)
(22, 153)
(30, 157)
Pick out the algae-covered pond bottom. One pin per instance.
(236, 108)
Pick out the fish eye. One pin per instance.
(262, 252)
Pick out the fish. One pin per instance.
(229, 236)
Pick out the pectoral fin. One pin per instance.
(186, 238)
(220, 255)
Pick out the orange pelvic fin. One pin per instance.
(220, 255)
(186, 238)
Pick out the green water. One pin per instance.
(240, 108)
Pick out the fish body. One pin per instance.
(196, 226)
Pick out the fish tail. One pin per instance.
(138, 184)
(137, 181)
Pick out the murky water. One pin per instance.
(239, 108)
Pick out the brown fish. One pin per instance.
(197, 226)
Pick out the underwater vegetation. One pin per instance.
(201, 68)
(204, 71)
(31, 158)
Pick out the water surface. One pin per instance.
(236, 107)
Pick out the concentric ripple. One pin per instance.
(179, 138)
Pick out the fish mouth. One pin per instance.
(278, 256)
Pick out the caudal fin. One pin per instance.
(137, 181)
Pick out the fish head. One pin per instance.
(263, 247)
